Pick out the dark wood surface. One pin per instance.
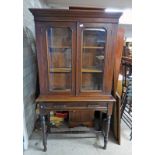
(49, 98)
(77, 118)
(107, 131)
(41, 44)
(116, 107)
(73, 14)
(75, 98)
(108, 65)
(43, 126)
(118, 56)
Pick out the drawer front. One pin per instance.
(73, 105)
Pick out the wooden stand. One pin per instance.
(102, 105)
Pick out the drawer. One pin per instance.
(74, 105)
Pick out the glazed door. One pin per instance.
(60, 40)
(93, 56)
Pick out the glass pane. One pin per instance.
(60, 58)
(60, 82)
(59, 42)
(92, 81)
(93, 51)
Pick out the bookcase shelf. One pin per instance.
(91, 70)
(60, 70)
(93, 47)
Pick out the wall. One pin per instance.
(119, 4)
(27, 16)
(128, 30)
(29, 63)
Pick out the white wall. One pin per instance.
(119, 4)
(128, 30)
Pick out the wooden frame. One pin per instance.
(43, 57)
(75, 100)
(108, 56)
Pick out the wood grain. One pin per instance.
(61, 88)
(49, 98)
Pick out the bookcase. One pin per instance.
(76, 55)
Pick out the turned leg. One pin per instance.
(43, 126)
(100, 122)
(107, 132)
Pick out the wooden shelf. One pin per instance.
(60, 70)
(94, 91)
(61, 47)
(91, 70)
(61, 90)
(93, 47)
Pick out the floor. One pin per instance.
(58, 145)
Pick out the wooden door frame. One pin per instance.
(43, 52)
(108, 68)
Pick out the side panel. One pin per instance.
(41, 57)
(116, 108)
